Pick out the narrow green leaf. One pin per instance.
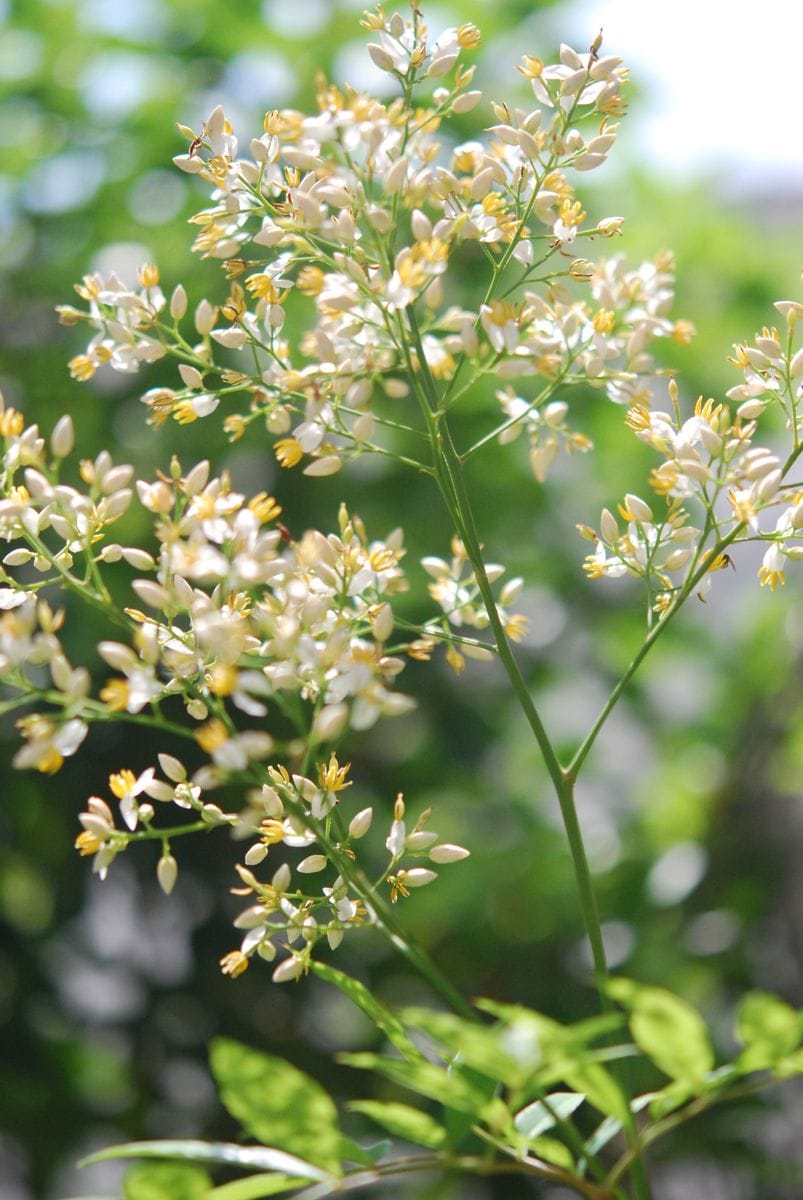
(481, 1048)
(359, 994)
(254, 1187)
(403, 1121)
(667, 1029)
(166, 1181)
(542, 1115)
(225, 1153)
(448, 1087)
(768, 1029)
(278, 1104)
(605, 1132)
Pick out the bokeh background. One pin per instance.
(692, 804)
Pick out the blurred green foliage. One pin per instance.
(108, 993)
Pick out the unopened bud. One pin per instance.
(166, 872)
(359, 825)
(288, 970)
(312, 864)
(447, 852)
(62, 438)
(178, 303)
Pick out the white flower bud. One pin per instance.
(231, 339)
(312, 864)
(189, 163)
(278, 420)
(18, 558)
(257, 854)
(363, 428)
(334, 937)
(382, 625)
(441, 66)
(153, 594)
(380, 57)
(290, 968)
(62, 438)
(281, 879)
(466, 102)
(266, 950)
(166, 871)
(121, 657)
(395, 176)
(361, 823)
(419, 839)
(330, 721)
(205, 317)
(417, 877)
(448, 852)
(639, 508)
(191, 376)
(178, 302)
(769, 485)
(750, 410)
(330, 464)
(196, 479)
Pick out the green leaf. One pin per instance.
(254, 1187)
(611, 1126)
(543, 1115)
(226, 1153)
(447, 1087)
(598, 1086)
(278, 1104)
(532, 1039)
(788, 1067)
(672, 1097)
(351, 1152)
(553, 1151)
(166, 1181)
(768, 1029)
(403, 1121)
(667, 1029)
(479, 1047)
(359, 994)
(459, 1124)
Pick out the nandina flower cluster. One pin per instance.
(346, 322)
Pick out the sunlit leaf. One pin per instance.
(166, 1181)
(262, 1158)
(553, 1151)
(382, 1017)
(403, 1121)
(254, 1187)
(667, 1029)
(448, 1087)
(768, 1029)
(278, 1104)
(479, 1047)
